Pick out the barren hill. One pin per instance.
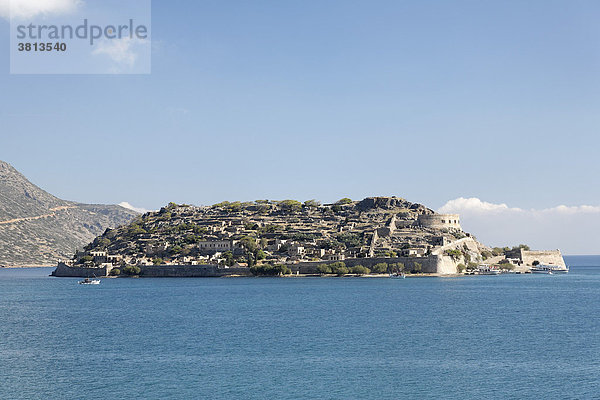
(37, 228)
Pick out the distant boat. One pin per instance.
(398, 276)
(88, 281)
(549, 269)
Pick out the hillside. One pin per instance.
(279, 232)
(37, 228)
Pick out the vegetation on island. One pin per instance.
(268, 237)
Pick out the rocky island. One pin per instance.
(377, 235)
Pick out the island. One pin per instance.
(371, 237)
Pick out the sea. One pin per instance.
(475, 337)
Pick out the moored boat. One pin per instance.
(88, 281)
(549, 269)
(486, 269)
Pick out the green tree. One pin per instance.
(158, 261)
(349, 239)
(228, 256)
(248, 243)
(260, 255)
(312, 204)
(417, 268)
(175, 250)
(86, 259)
(360, 270)
(455, 254)
(270, 270)
(460, 268)
(115, 272)
(290, 205)
(340, 271)
(343, 201)
(497, 251)
(507, 265)
(324, 269)
(132, 270)
(380, 268)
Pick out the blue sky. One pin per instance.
(430, 101)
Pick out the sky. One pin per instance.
(437, 101)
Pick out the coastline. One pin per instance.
(292, 276)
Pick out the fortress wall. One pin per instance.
(191, 271)
(551, 257)
(63, 270)
(156, 271)
(439, 221)
(446, 265)
(431, 264)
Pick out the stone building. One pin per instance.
(216, 245)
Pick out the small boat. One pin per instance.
(398, 276)
(549, 269)
(485, 269)
(88, 281)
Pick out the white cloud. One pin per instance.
(573, 229)
(122, 52)
(119, 50)
(474, 204)
(128, 206)
(33, 8)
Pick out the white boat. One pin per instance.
(549, 269)
(485, 269)
(398, 276)
(88, 281)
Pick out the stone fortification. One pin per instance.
(528, 257)
(439, 221)
(434, 264)
(155, 271)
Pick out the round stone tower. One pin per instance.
(439, 221)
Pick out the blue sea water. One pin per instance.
(481, 337)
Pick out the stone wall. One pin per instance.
(430, 264)
(548, 257)
(439, 264)
(156, 271)
(191, 271)
(63, 270)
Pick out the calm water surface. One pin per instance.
(510, 336)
